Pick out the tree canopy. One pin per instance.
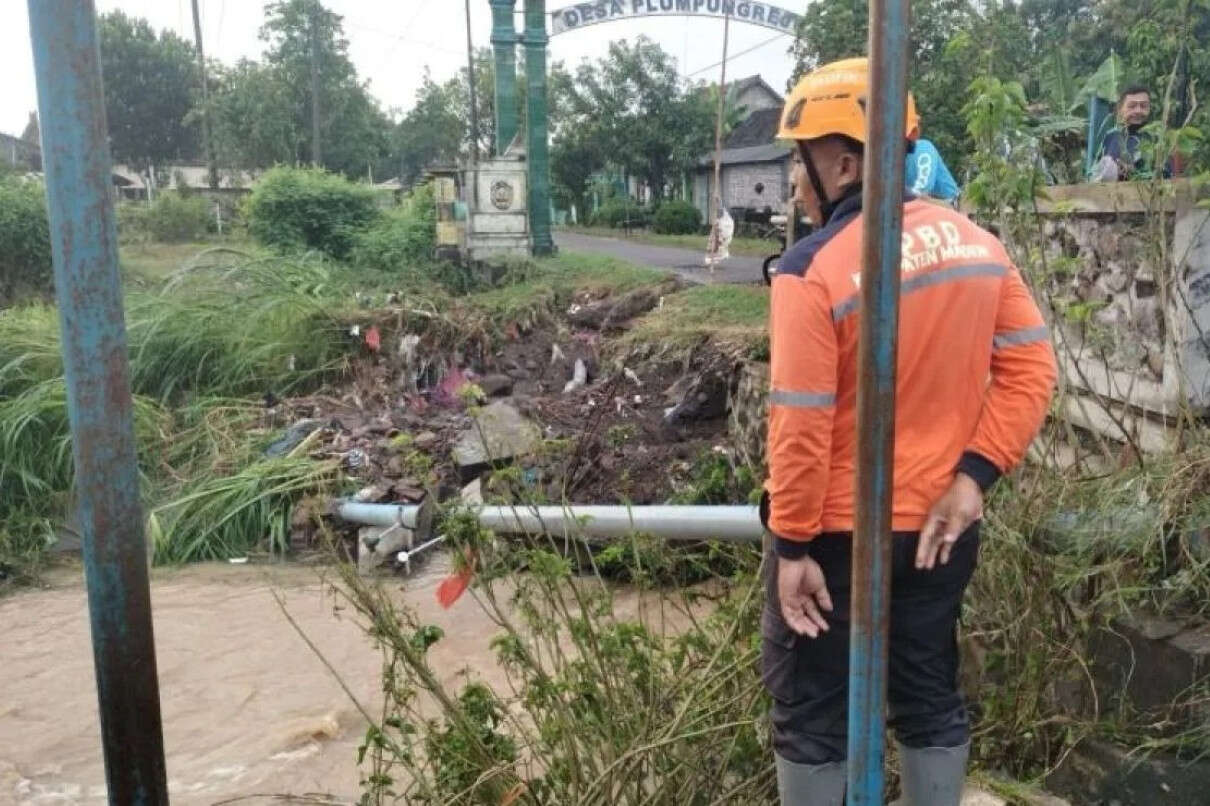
(149, 91)
(1050, 47)
(630, 109)
(262, 110)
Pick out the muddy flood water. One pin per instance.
(250, 713)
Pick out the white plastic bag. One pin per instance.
(721, 234)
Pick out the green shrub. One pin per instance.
(174, 218)
(403, 237)
(25, 261)
(305, 208)
(617, 213)
(676, 218)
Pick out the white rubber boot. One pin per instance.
(810, 784)
(933, 776)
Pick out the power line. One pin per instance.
(737, 55)
(407, 41)
(222, 13)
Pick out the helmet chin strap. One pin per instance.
(826, 205)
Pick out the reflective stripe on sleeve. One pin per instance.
(802, 400)
(1015, 338)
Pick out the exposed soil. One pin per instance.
(609, 441)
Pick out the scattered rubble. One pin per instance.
(429, 414)
(495, 385)
(612, 314)
(293, 437)
(579, 377)
(378, 546)
(498, 434)
(704, 397)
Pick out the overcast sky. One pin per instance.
(392, 41)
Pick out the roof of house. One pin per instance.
(772, 152)
(745, 84)
(758, 129)
(754, 140)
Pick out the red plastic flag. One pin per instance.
(452, 587)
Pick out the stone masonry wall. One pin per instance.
(740, 181)
(1123, 277)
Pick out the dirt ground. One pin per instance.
(606, 442)
(248, 708)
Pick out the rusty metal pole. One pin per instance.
(882, 230)
(75, 154)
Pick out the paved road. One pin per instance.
(685, 262)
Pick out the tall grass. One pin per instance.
(641, 697)
(214, 334)
(228, 516)
(36, 475)
(1063, 557)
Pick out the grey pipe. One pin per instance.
(733, 524)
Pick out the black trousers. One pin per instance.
(808, 678)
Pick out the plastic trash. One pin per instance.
(579, 378)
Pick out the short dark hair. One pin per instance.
(1133, 89)
(849, 144)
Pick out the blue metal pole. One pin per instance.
(890, 24)
(75, 155)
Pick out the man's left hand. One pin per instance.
(953, 514)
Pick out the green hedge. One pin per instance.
(677, 218)
(305, 208)
(402, 237)
(171, 218)
(618, 213)
(25, 261)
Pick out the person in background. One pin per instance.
(927, 174)
(1125, 150)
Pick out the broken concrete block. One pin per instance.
(496, 385)
(498, 435)
(705, 398)
(376, 546)
(1095, 531)
(1148, 662)
(1099, 772)
(472, 493)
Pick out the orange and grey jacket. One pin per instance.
(976, 371)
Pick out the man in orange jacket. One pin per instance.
(976, 372)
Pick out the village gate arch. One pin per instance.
(534, 38)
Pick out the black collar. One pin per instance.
(848, 204)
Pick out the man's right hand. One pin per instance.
(802, 592)
(953, 514)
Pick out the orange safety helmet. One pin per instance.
(832, 100)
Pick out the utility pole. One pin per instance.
(316, 153)
(716, 200)
(470, 79)
(88, 285)
(207, 133)
(882, 227)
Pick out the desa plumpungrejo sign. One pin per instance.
(582, 14)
